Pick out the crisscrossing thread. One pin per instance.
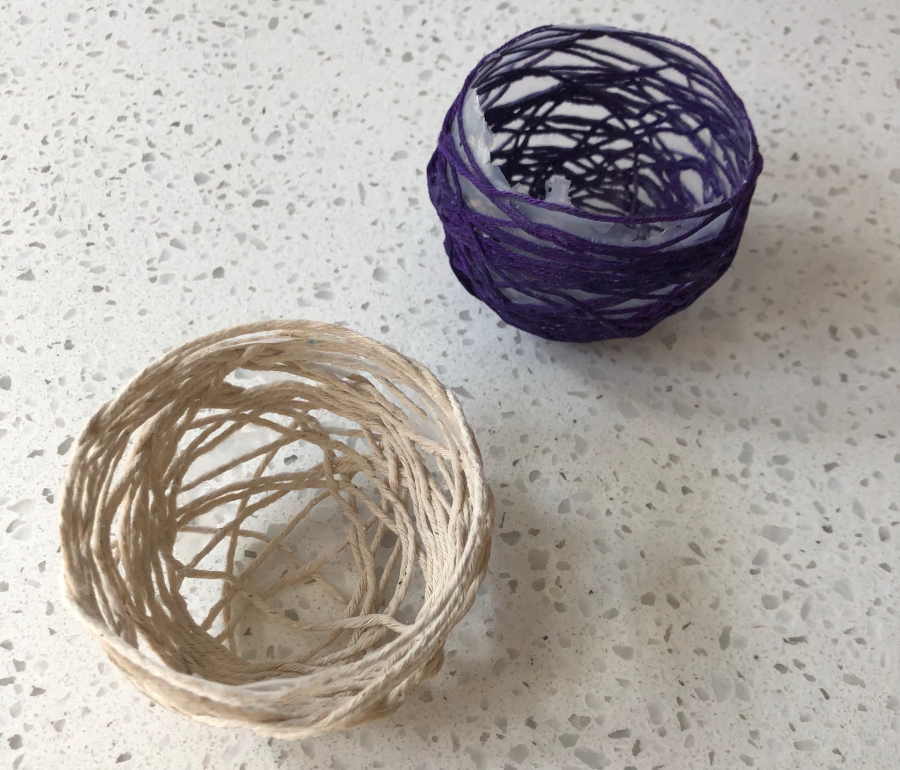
(593, 181)
(291, 486)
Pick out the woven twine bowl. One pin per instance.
(277, 526)
(593, 181)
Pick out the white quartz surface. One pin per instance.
(696, 558)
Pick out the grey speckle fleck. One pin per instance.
(725, 638)
(723, 687)
(626, 653)
(593, 759)
(844, 588)
(806, 745)
(853, 679)
(778, 535)
(538, 558)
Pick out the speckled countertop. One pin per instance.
(696, 558)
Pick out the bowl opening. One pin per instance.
(610, 123)
(290, 521)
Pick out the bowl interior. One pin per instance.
(289, 516)
(614, 123)
(302, 520)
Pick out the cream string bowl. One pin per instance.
(277, 526)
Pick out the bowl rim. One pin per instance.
(473, 173)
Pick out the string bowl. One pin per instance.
(277, 526)
(593, 181)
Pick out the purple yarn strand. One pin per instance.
(623, 116)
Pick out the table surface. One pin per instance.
(696, 556)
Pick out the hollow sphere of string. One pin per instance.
(592, 181)
(277, 526)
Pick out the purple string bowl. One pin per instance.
(593, 181)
